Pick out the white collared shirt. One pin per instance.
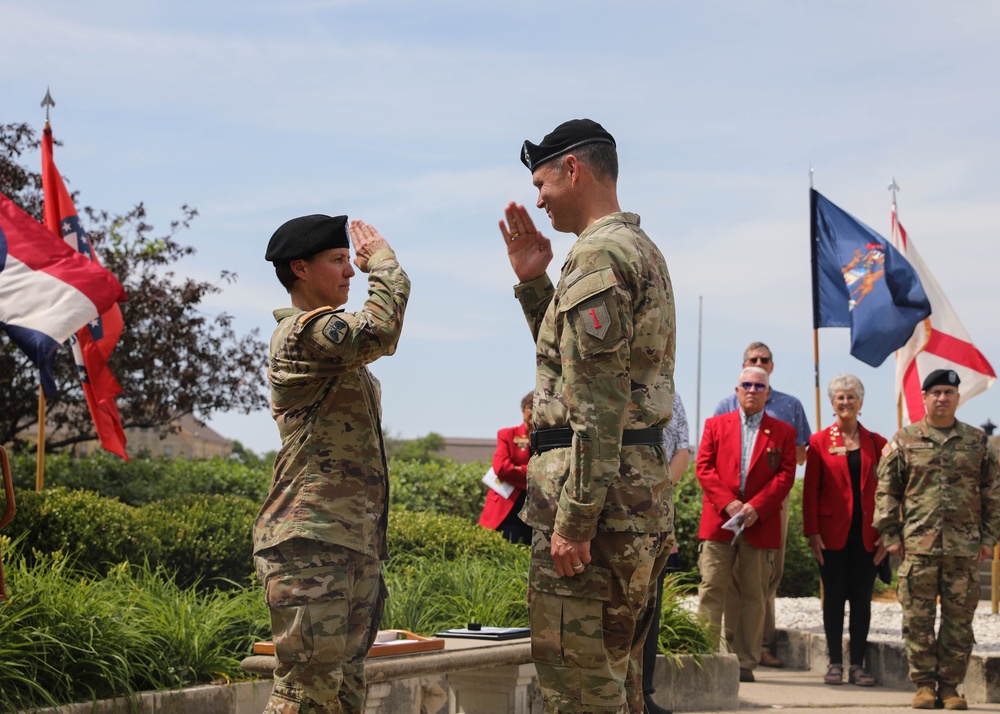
(749, 428)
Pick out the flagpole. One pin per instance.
(812, 253)
(697, 404)
(40, 456)
(47, 103)
(893, 187)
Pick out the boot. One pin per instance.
(924, 698)
(951, 698)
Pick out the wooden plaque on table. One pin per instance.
(387, 643)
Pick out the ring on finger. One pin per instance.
(578, 567)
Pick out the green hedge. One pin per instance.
(204, 539)
(445, 487)
(95, 531)
(440, 488)
(144, 479)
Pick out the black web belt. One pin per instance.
(547, 439)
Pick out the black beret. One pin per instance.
(306, 236)
(947, 377)
(568, 135)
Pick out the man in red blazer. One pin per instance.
(510, 464)
(746, 467)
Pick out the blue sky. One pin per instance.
(410, 116)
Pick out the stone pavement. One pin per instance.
(796, 691)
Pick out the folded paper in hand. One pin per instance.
(494, 482)
(735, 524)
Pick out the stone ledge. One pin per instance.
(887, 663)
(238, 698)
(504, 677)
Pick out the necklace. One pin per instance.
(853, 438)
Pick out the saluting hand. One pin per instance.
(528, 250)
(367, 241)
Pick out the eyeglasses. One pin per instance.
(753, 386)
(759, 360)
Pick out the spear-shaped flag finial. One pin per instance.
(48, 102)
(893, 187)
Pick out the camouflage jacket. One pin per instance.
(938, 493)
(605, 363)
(330, 478)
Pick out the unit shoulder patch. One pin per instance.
(335, 330)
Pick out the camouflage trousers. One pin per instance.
(587, 632)
(326, 604)
(922, 579)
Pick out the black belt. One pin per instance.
(547, 439)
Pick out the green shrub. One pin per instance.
(444, 487)
(144, 479)
(687, 516)
(94, 532)
(801, 575)
(429, 535)
(205, 538)
(682, 631)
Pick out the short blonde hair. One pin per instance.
(846, 383)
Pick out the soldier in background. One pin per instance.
(320, 537)
(599, 496)
(938, 508)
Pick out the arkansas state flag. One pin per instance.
(860, 281)
(93, 343)
(47, 290)
(939, 342)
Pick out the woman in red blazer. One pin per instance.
(510, 464)
(838, 507)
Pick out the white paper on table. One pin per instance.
(493, 481)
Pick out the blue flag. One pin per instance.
(860, 281)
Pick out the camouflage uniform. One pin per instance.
(320, 536)
(938, 494)
(605, 360)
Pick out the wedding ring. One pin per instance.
(578, 567)
(514, 234)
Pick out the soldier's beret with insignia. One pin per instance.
(947, 377)
(306, 236)
(565, 137)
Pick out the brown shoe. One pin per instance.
(925, 698)
(951, 699)
(769, 660)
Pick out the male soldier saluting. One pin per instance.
(320, 535)
(598, 489)
(938, 508)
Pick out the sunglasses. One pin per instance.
(753, 386)
(759, 360)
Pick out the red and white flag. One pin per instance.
(94, 342)
(939, 342)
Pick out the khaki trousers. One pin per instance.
(721, 563)
(773, 581)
